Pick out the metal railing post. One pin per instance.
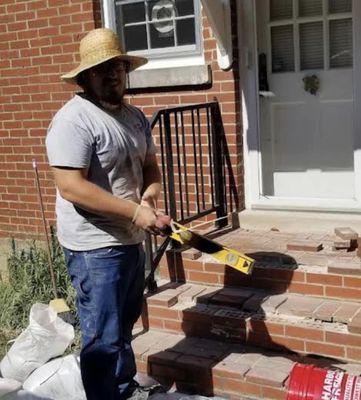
(217, 150)
(170, 169)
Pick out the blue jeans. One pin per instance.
(109, 283)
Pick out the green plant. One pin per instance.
(29, 282)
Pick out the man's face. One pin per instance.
(107, 80)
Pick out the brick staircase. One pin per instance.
(214, 331)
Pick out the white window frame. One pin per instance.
(165, 57)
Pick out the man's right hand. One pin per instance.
(148, 219)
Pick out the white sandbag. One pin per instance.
(46, 337)
(8, 386)
(59, 379)
(24, 395)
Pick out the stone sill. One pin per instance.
(170, 77)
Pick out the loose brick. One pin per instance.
(191, 254)
(299, 306)
(191, 294)
(346, 312)
(230, 369)
(254, 303)
(341, 244)
(346, 233)
(304, 245)
(273, 302)
(354, 326)
(344, 266)
(233, 297)
(166, 299)
(326, 311)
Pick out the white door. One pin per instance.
(306, 112)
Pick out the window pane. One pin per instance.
(308, 8)
(282, 48)
(281, 9)
(341, 49)
(161, 35)
(133, 12)
(185, 7)
(339, 6)
(135, 38)
(311, 45)
(186, 32)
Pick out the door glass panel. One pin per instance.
(281, 9)
(283, 58)
(339, 6)
(308, 8)
(341, 49)
(311, 45)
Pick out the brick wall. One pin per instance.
(38, 42)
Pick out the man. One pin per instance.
(108, 182)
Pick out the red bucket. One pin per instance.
(308, 382)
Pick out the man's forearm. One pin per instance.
(152, 182)
(93, 198)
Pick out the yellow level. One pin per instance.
(221, 253)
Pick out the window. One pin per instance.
(155, 28)
(310, 34)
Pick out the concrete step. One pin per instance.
(281, 322)
(331, 274)
(209, 367)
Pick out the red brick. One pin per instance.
(352, 282)
(314, 290)
(160, 312)
(343, 293)
(267, 376)
(246, 388)
(345, 339)
(273, 393)
(354, 354)
(305, 333)
(324, 279)
(325, 349)
(202, 277)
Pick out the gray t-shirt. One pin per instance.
(113, 146)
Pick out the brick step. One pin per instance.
(209, 367)
(281, 322)
(274, 271)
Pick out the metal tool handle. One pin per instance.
(40, 197)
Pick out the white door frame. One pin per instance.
(248, 64)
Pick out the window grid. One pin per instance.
(175, 50)
(296, 21)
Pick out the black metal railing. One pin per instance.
(193, 165)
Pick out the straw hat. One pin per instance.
(98, 46)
